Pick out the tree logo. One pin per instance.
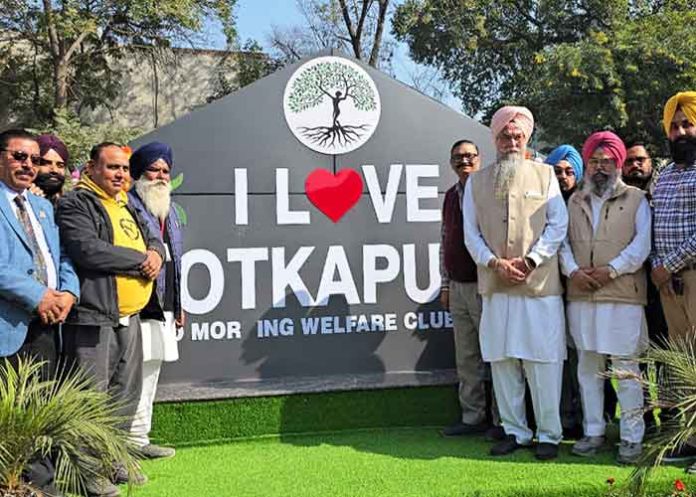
(331, 105)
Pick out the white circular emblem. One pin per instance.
(331, 105)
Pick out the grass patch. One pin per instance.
(192, 423)
(381, 463)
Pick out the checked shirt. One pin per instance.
(674, 218)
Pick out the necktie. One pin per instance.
(40, 273)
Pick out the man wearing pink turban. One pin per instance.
(514, 224)
(603, 257)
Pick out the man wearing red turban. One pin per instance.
(515, 222)
(608, 242)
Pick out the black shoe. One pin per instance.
(546, 451)
(506, 446)
(495, 434)
(459, 429)
(121, 476)
(680, 454)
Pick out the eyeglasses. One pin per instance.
(57, 163)
(461, 157)
(602, 162)
(637, 160)
(21, 156)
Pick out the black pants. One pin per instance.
(113, 355)
(41, 344)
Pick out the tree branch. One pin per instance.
(377, 43)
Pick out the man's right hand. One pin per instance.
(51, 306)
(507, 271)
(444, 299)
(151, 266)
(583, 281)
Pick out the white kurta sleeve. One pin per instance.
(631, 258)
(556, 226)
(565, 255)
(473, 239)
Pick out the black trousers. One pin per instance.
(41, 344)
(113, 356)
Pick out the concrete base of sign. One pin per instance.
(260, 388)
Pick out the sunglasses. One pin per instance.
(21, 156)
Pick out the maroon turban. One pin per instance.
(609, 142)
(52, 142)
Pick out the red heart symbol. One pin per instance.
(334, 195)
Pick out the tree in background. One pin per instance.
(579, 64)
(239, 68)
(355, 26)
(58, 54)
(619, 81)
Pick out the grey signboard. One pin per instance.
(276, 290)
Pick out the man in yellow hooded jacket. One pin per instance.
(116, 257)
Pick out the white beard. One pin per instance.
(156, 195)
(506, 168)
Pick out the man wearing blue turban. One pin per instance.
(567, 164)
(151, 166)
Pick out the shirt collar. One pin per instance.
(10, 193)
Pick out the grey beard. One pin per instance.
(506, 168)
(156, 195)
(602, 187)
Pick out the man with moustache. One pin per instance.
(38, 284)
(117, 257)
(674, 255)
(516, 220)
(459, 295)
(50, 173)
(150, 195)
(674, 230)
(638, 169)
(567, 165)
(608, 242)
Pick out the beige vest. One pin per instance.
(512, 226)
(616, 229)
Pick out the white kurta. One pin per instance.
(515, 326)
(617, 329)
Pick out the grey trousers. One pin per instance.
(114, 358)
(473, 373)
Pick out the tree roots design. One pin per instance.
(331, 136)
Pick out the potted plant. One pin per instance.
(62, 419)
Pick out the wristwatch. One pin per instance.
(613, 273)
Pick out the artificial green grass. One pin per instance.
(399, 462)
(192, 423)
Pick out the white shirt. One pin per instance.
(515, 326)
(51, 273)
(611, 328)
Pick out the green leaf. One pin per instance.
(177, 181)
